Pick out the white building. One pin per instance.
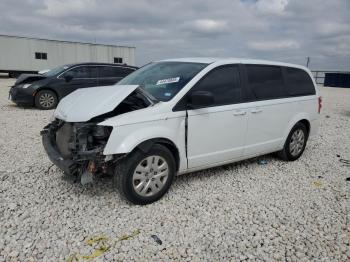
(24, 54)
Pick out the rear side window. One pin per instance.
(266, 82)
(298, 82)
(114, 71)
(224, 83)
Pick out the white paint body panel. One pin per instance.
(216, 135)
(81, 105)
(270, 121)
(127, 137)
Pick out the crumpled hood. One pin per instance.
(86, 103)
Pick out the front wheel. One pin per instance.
(295, 143)
(46, 99)
(144, 177)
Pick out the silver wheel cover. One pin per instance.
(46, 100)
(150, 176)
(296, 143)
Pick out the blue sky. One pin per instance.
(284, 30)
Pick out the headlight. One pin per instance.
(26, 85)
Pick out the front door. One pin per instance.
(216, 134)
(83, 76)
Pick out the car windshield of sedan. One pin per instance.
(56, 70)
(163, 80)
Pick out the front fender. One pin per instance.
(126, 138)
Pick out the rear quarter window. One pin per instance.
(298, 82)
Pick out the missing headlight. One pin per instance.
(101, 132)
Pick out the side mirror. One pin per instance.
(199, 99)
(68, 77)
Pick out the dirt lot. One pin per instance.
(277, 211)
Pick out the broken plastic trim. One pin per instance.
(82, 146)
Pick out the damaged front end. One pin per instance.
(77, 148)
(75, 141)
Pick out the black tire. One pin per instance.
(46, 99)
(287, 153)
(124, 172)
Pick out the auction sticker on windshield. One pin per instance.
(168, 81)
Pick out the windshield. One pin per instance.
(56, 70)
(163, 80)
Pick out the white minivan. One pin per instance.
(181, 115)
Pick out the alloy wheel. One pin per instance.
(297, 142)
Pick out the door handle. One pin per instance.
(239, 113)
(256, 110)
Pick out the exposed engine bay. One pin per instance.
(77, 147)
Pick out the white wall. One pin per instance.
(18, 53)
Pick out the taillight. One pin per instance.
(319, 104)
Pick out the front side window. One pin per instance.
(163, 80)
(80, 72)
(266, 82)
(298, 82)
(224, 83)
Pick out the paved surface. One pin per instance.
(279, 211)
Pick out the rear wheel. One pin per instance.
(143, 178)
(46, 99)
(295, 143)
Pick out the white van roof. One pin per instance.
(209, 60)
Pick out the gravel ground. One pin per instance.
(246, 211)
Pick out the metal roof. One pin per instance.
(65, 41)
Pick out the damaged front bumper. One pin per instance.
(77, 148)
(68, 166)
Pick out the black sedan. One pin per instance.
(45, 90)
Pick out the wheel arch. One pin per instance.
(146, 145)
(306, 123)
(142, 135)
(300, 118)
(45, 88)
